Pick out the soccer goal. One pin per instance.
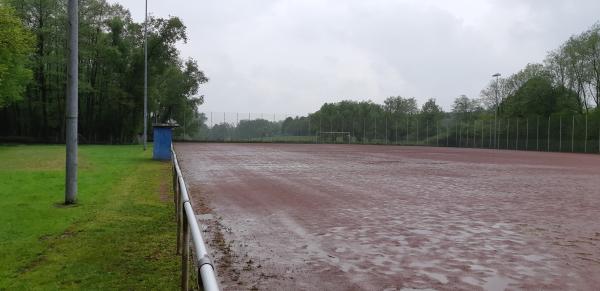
(333, 137)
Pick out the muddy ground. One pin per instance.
(342, 217)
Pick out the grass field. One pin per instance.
(121, 234)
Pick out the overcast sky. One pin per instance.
(291, 56)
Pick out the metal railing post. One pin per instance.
(179, 217)
(185, 254)
(177, 200)
(174, 173)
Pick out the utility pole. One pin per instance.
(72, 103)
(146, 75)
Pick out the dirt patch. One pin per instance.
(377, 217)
(50, 241)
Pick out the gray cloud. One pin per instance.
(292, 56)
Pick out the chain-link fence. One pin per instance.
(556, 133)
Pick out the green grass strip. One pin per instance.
(120, 235)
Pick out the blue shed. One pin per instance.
(163, 136)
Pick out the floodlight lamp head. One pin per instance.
(496, 75)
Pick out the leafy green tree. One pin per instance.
(507, 86)
(16, 45)
(539, 97)
(258, 128)
(466, 108)
(111, 71)
(430, 111)
(221, 132)
(463, 104)
(401, 105)
(295, 126)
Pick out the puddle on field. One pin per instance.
(440, 277)
(496, 283)
(470, 280)
(534, 258)
(204, 216)
(424, 265)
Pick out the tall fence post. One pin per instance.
(364, 131)
(375, 133)
(527, 135)
(573, 135)
(396, 139)
(517, 142)
(308, 132)
(548, 146)
(498, 135)
(467, 141)
(560, 133)
(417, 142)
(482, 133)
(456, 133)
(386, 131)
(427, 132)
(586, 133)
(447, 135)
(437, 133)
(537, 144)
(474, 134)
(249, 123)
(491, 132)
(507, 132)
(407, 129)
(460, 134)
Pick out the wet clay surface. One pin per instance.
(339, 217)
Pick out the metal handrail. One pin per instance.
(186, 225)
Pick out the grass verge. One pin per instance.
(120, 235)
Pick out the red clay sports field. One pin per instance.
(285, 216)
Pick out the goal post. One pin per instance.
(334, 137)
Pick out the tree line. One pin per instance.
(111, 70)
(567, 83)
(556, 97)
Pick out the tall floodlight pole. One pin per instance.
(71, 110)
(497, 76)
(146, 75)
